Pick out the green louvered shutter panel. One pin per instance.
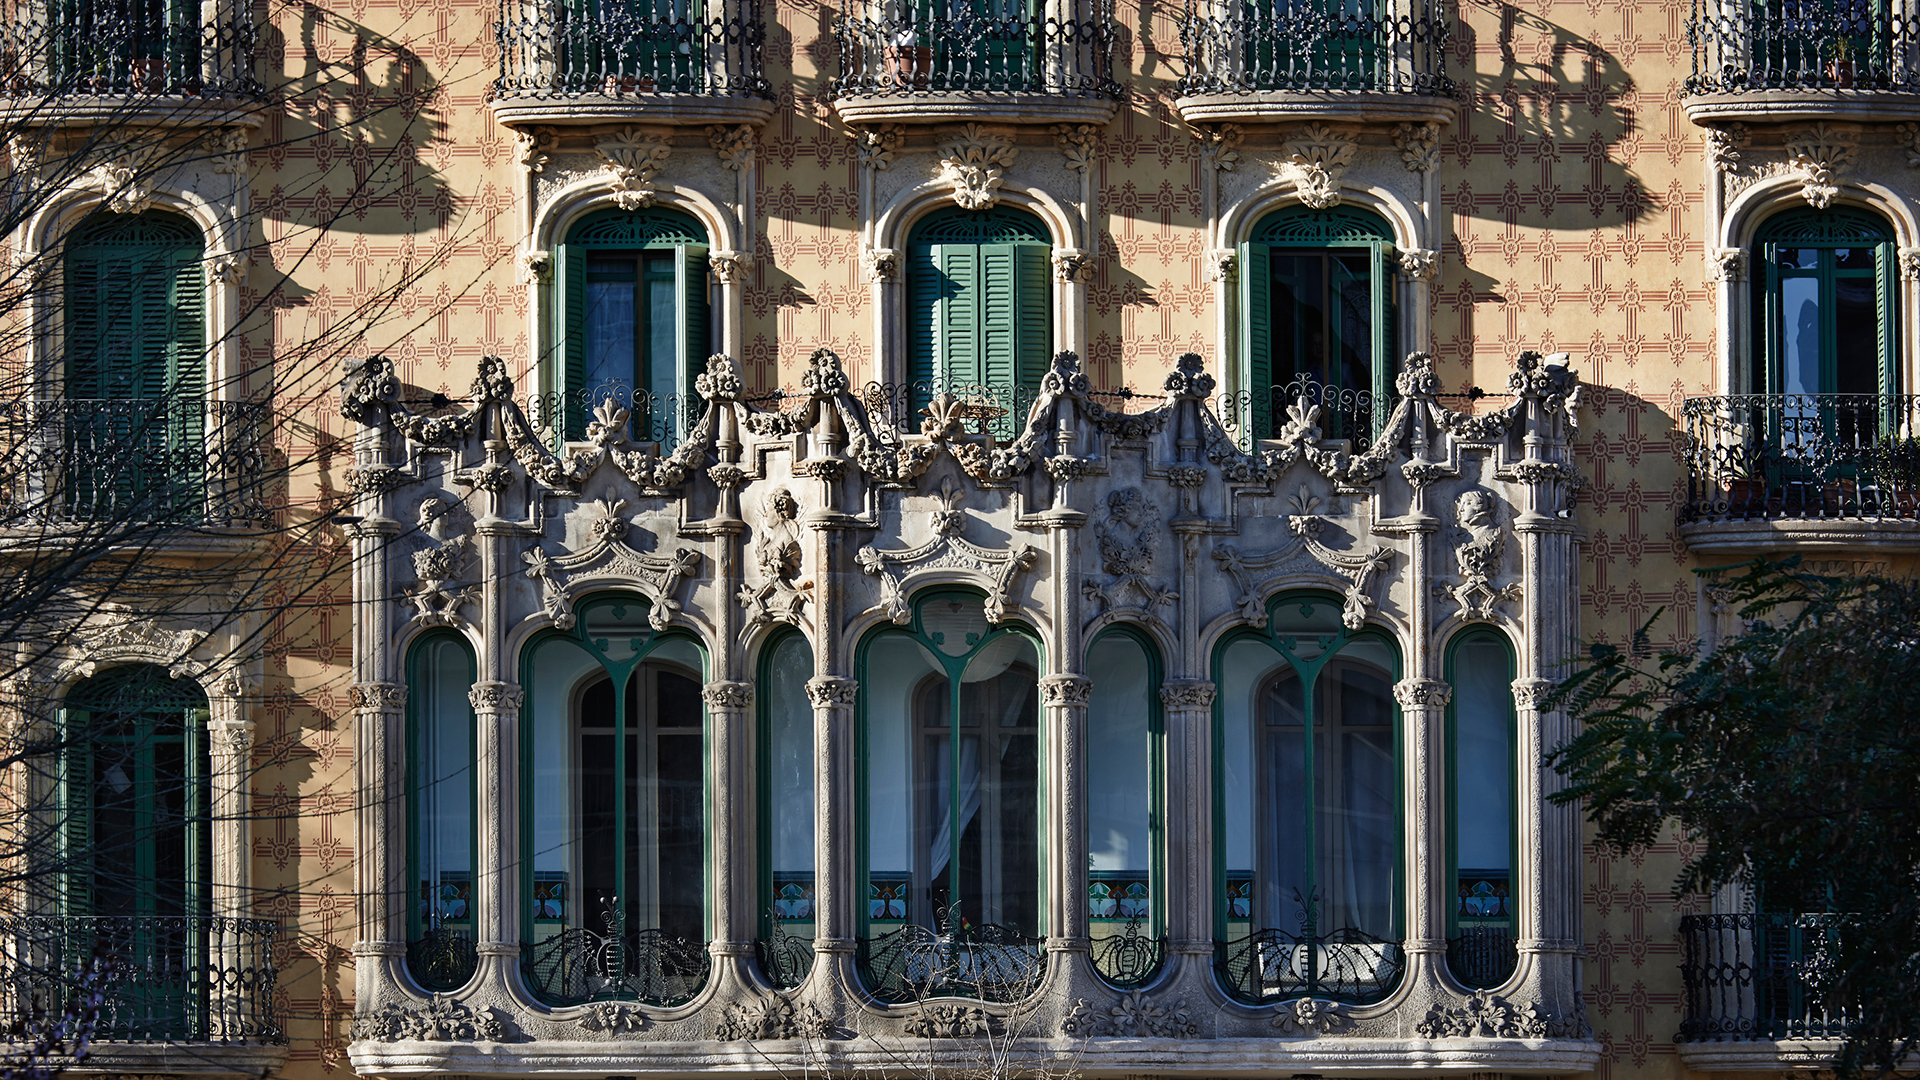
(184, 448)
(570, 277)
(960, 321)
(690, 275)
(1256, 334)
(999, 289)
(1033, 296)
(924, 286)
(76, 812)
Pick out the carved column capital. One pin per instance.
(1422, 693)
(728, 695)
(495, 697)
(1066, 690)
(1529, 693)
(1187, 694)
(378, 696)
(831, 691)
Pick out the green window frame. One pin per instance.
(1483, 911)
(979, 311)
(1000, 957)
(1304, 638)
(634, 320)
(1831, 266)
(134, 369)
(1127, 929)
(1316, 304)
(608, 947)
(440, 900)
(788, 910)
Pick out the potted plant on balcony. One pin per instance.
(149, 75)
(1894, 465)
(908, 62)
(1840, 62)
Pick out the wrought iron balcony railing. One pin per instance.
(126, 50)
(1482, 956)
(1742, 46)
(1752, 977)
(919, 49)
(551, 49)
(132, 461)
(180, 979)
(986, 962)
(1345, 965)
(578, 965)
(1801, 456)
(1329, 46)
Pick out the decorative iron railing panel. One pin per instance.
(785, 959)
(578, 965)
(1131, 957)
(1751, 977)
(442, 958)
(1743, 46)
(132, 50)
(987, 962)
(1482, 956)
(552, 49)
(645, 416)
(132, 461)
(1346, 965)
(1335, 46)
(184, 979)
(1801, 456)
(942, 48)
(1336, 412)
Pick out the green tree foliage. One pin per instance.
(1790, 756)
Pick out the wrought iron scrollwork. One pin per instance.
(1740, 47)
(443, 958)
(552, 50)
(1762, 977)
(920, 49)
(578, 964)
(987, 962)
(129, 50)
(1131, 957)
(1345, 965)
(1317, 48)
(1801, 456)
(785, 959)
(1482, 956)
(1357, 415)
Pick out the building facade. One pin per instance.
(771, 537)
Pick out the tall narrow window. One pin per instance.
(979, 312)
(1124, 861)
(1481, 806)
(786, 810)
(135, 830)
(634, 319)
(950, 805)
(440, 794)
(1826, 304)
(135, 368)
(615, 809)
(1316, 317)
(1308, 841)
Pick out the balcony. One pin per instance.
(985, 62)
(575, 65)
(1752, 985)
(102, 466)
(119, 63)
(1783, 60)
(189, 993)
(1767, 472)
(1371, 61)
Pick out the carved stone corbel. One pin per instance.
(973, 163)
(632, 161)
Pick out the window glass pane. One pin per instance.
(1353, 273)
(1119, 785)
(445, 776)
(790, 790)
(676, 832)
(1857, 337)
(1282, 885)
(899, 676)
(996, 781)
(1353, 789)
(1800, 334)
(1246, 668)
(612, 322)
(663, 378)
(1299, 316)
(562, 672)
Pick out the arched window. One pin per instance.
(951, 858)
(1125, 864)
(786, 810)
(634, 318)
(979, 311)
(1826, 305)
(440, 820)
(1316, 315)
(137, 850)
(135, 367)
(615, 814)
(1481, 808)
(1308, 840)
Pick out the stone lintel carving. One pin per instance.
(882, 264)
(136, 639)
(778, 552)
(728, 695)
(1478, 557)
(1358, 567)
(1077, 143)
(1181, 694)
(1419, 264)
(1419, 146)
(1135, 1017)
(946, 550)
(632, 161)
(1312, 1016)
(1220, 146)
(495, 697)
(1486, 1015)
(730, 267)
(827, 691)
(949, 1022)
(1422, 693)
(733, 145)
(534, 147)
(1724, 145)
(973, 163)
(1821, 154)
(439, 1020)
(1066, 690)
(126, 176)
(1910, 264)
(1317, 159)
(772, 1017)
(1072, 265)
(656, 576)
(611, 1017)
(1220, 263)
(437, 595)
(1729, 264)
(1129, 540)
(878, 145)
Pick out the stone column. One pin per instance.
(836, 890)
(1064, 698)
(729, 711)
(379, 858)
(1189, 903)
(1423, 716)
(496, 707)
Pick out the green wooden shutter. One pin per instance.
(1033, 303)
(570, 277)
(76, 811)
(999, 316)
(184, 394)
(1383, 337)
(924, 286)
(1256, 334)
(690, 275)
(959, 321)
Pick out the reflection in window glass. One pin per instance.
(789, 814)
(1480, 951)
(1121, 838)
(442, 844)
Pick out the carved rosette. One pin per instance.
(1077, 143)
(495, 697)
(1422, 693)
(882, 264)
(1220, 146)
(733, 145)
(1419, 146)
(1187, 694)
(1729, 264)
(1066, 690)
(729, 696)
(1073, 266)
(829, 691)
(877, 146)
(1419, 264)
